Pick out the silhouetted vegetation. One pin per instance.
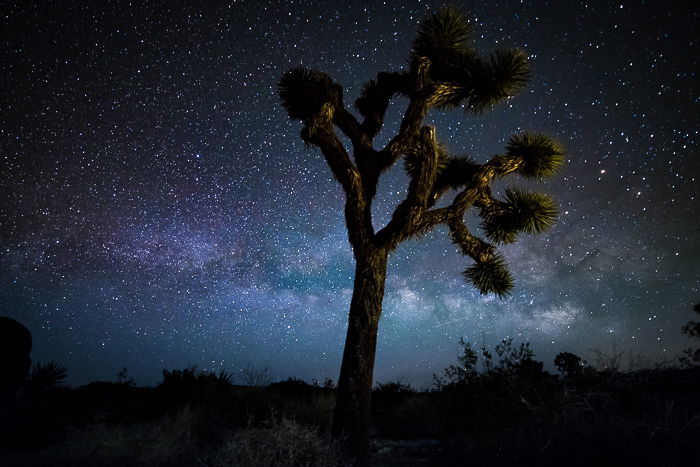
(253, 376)
(492, 407)
(511, 362)
(44, 376)
(294, 387)
(395, 387)
(570, 365)
(691, 356)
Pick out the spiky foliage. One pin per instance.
(45, 376)
(501, 76)
(304, 92)
(372, 93)
(413, 159)
(542, 156)
(445, 41)
(523, 211)
(443, 37)
(478, 84)
(376, 93)
(224, 377)
(457, 172)
(451, 172)
(491, 276)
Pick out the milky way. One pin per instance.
(159, 210)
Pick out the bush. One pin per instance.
(310, 404)
(187, 438)
(278, 443)
(293, 387)
(513, 362)
(569, 364)
(691, 356)
(178, 439)
(395, 387)
(514, 413)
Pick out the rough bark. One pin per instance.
(351, 421)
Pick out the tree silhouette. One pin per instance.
(569, 364)
(691, 356)
(444, 72)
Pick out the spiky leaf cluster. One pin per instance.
(45, 376)
(304, 92)
(376, 93)
(491, 276)
(459, 76)
(523, 211)
(411, 161)
(457, 172)
(494, 80)
(542, 155)
(442, 37)
(372, 98)
(451, 172)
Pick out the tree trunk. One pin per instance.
(351, 421)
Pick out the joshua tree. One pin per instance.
(444, 72)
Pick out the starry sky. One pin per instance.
(159, 210)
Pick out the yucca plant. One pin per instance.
(45, 376)
(444, 71)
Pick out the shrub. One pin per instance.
(569, 364)
(280, 442)
(463, 372)
(252, 376)
(190, 380)
(178, 439)
(691, 356)
(395, 387)
(293, 387)
(513, 362)
(45, 376)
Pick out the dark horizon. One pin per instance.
(159, 210)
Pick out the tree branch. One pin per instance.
(469, 244)
(477, 192)
(321, 132)
(488, 205)
(349, 125)
(375, 98)
(409, 212)
(421, 91)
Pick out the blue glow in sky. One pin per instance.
(159, 210)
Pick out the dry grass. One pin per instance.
(184, 438)
(500, 417)
(280, 442)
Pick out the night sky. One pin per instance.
(159, 210)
